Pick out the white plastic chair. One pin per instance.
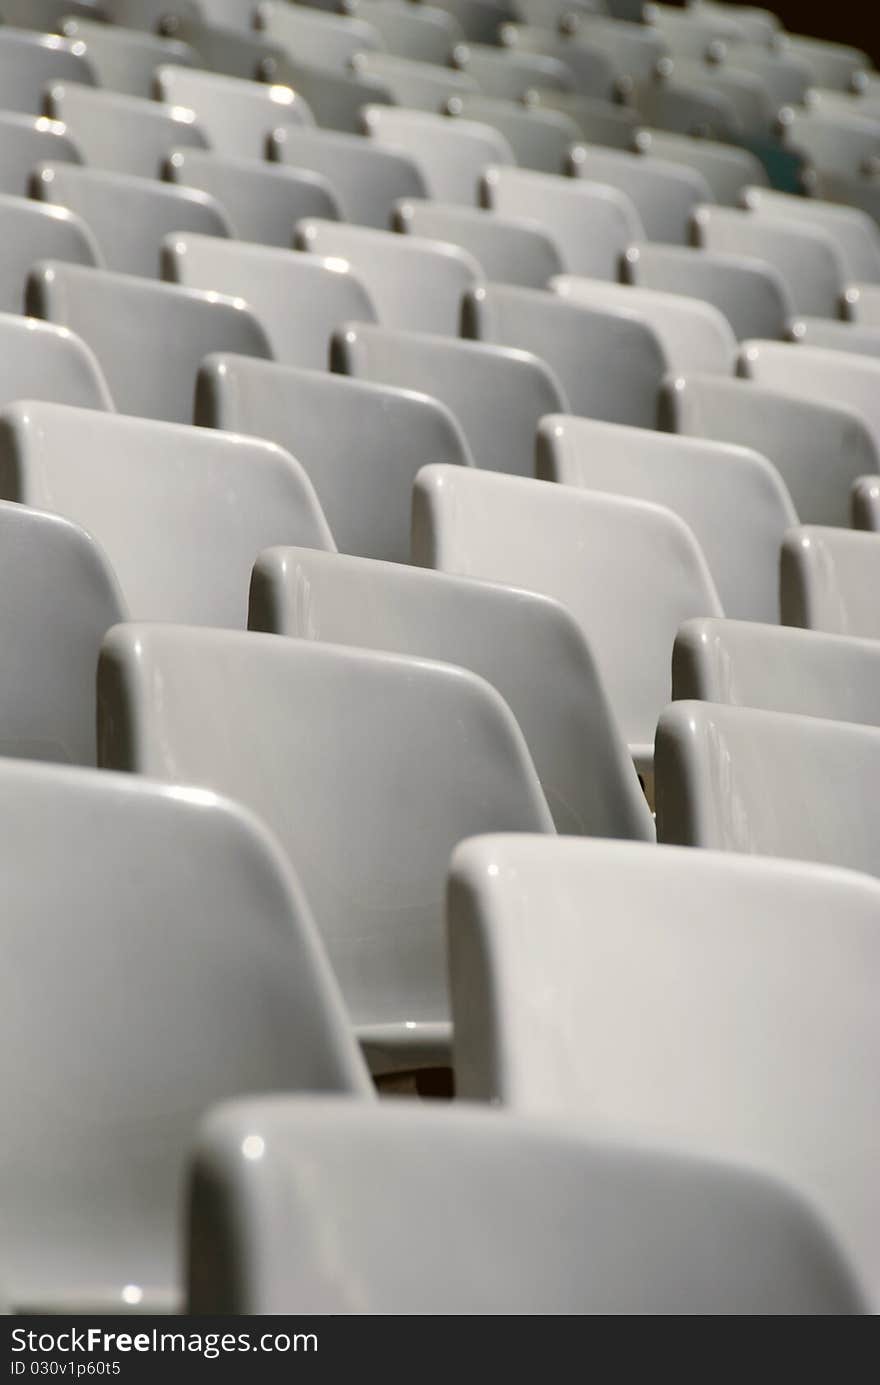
(368, 768)
(361, 444)
(451, 155)
(463, 1212)
(237, 115)
(123, 134)
(180, 513)
(730, 497)
(528, 647)
(608, 981)
(829, 580)
(630, 572)
(213, 985)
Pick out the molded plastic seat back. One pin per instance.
(149, 338)
(693, 335)
(451, 155)
(750, 293)
(181, 513)
(263, 202)
(629, 572)
(607, 982)
(299, 300)
(361, 444)
(591, 225)
(367, 178)
(414, 283)
(777, 669)
(508, 251)
(27, 140)
(58, 599)
(469, 378)
(768, 783)
(237, 115)
(444, 1212)
(28, 61)
(611, 367)
(730, 497)
(818, 449)
(829, 581)
(129, 216)
(369, 768)
(184, 908)
(664, 194)
(805, 255)
(123, 134)
(528, 647)
(29, 233)
(41, 361)
(845, 379)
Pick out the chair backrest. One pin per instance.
(415, 86)
(777, 669)
(508, 250)
(611, 367)
(185, 908)
(262, 201)
(413, 283)
(664, 194)
(237, 115)
(540, 139)
(818, 449)
(181, 513)
(727, 169)
(853, 231)
(338, 751)
(451, 155)
(553, 1014)
(864, 500)
(465, 1212)
(327, 40)
(844, 145)
(299, 300)
(829, 580)
(751, 294)
(528, 647)
(784, 76)
(804, 255)
(361, 444)
(41, 361)
(618, 564)
(768, 783)
(469, 378)
(28, 140)
(593, 71)
(58, 598)
(693, 335)
(149, 338)
(123, 134)
(510, 75)
(426, 33)
(366, 178)
(600, 122)
(28, 61)
(835, 65)
(812, 372)
(29, 233)
(124, 60)
(337, 100)
(731, 498)
(592, 225)
(129, 216)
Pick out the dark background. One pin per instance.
(845, 21)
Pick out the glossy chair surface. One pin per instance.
(123, 134)
(451, 155)
(528, 647)
(607, 981)
(148, 338)
(179, 908)
(237, 115)
(630, 572)
(464, 1212)
(829, 580)
(367, 767)
(361, 444)
(262, 201)
(366, 178)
